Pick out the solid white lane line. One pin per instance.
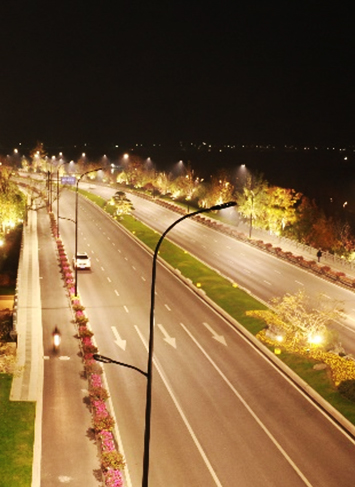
(182, 415)
(249, 409)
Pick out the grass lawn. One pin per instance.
(17, 436)
(236, 302)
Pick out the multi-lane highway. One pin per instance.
(223, 415)
(260, 273)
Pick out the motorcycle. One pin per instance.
(56, 339)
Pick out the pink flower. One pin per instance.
(96, 380)
(113, 478)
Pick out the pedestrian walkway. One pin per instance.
(297, 249)
(63, 450)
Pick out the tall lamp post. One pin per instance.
(60, 165)
(76, 224)
(149, 373)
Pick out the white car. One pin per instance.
(82, 261)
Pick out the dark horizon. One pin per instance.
(225, 72)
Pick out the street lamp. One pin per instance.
(76, 224)
(149, 373)
(60, 165)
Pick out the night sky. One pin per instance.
(110, 72)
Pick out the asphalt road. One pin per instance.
(222, 414)
(262, 274)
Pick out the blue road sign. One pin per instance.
(71, 180)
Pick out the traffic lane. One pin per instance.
(163, 310)
(105, 339)
(214, 455)
(223, 426)
(174, 471)
(278, 404)
(280, 275)
(262, 391)
(265, 276)
(238, 253)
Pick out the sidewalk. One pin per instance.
(63, 451)
(287, 245)
(27, 383)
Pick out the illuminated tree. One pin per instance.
(346, 242)
(299, 320)
(163, 183)
(134, 171)
(122, 205)
(252, 201)
(12, 201)
(184, 186)
(39, 158)
(219, 190)
(307, 213)
(323, 234)
(280, 209)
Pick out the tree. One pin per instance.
(252, 200)
(220, 190)
(280, 209)
(162, 183)
(300, 320)
(39, 158)
(307, 212)
(323, 234)
(122, 205)
(12, 201)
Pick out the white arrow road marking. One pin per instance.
(182, 414)
(249, 409)
(167, 338)
(121, 343)
(219, 338)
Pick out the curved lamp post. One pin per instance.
(76, 224)
(60, 165)
(149, 373)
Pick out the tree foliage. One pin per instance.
(299, 319)
(122, 205)
(12, 202)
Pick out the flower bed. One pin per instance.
(112, 462)
(341, 368)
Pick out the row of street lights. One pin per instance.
(78, 179)
(101, 358)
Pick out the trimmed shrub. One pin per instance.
(112, 459)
